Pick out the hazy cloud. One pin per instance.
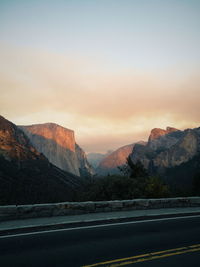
(105, 109)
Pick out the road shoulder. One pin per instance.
(60, 222)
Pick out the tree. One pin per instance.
(135, 183)
(133, 170)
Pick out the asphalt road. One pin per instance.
(93, 245)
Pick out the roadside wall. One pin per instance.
(73, 208)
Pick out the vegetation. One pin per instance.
(133, 183)
(34, 182)
(196, 184)
(184, 180)
(28, 185)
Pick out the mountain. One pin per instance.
(110, 164)
(26, 176)
(157, 132)
(168, 152)
(95, 158)
(58, 145)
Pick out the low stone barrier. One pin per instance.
(73, 208)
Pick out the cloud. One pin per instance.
(105, 108)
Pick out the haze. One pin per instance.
(109, 70)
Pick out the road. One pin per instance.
(92, 245)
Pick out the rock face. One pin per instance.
(84, 167)
(58, 145)
(162, 138)
(26, 176)
(157, 132)
(110, 164)
(168, 148)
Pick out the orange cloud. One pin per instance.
(105, 109)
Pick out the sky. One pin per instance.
(111, 70)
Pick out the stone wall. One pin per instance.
(73, 208)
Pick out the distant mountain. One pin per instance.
(58, 145)
(85, 168)
(110, 163)
(170, 151)
(26, 176)
(95, 158)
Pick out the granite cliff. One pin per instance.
(58, 145)
(173, 155)
(84, 166)
(167, 148)
(26, 175)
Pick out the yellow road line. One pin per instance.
(147, 256)
(154, 257)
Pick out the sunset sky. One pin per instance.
(111, 70)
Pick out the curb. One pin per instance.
(31, 211)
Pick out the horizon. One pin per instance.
(108, 150)
(109, 70)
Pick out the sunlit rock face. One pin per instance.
(159, 138)
(14, 145)
(157, 132)
(167, 148)
(58, 145)
(110, 164)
